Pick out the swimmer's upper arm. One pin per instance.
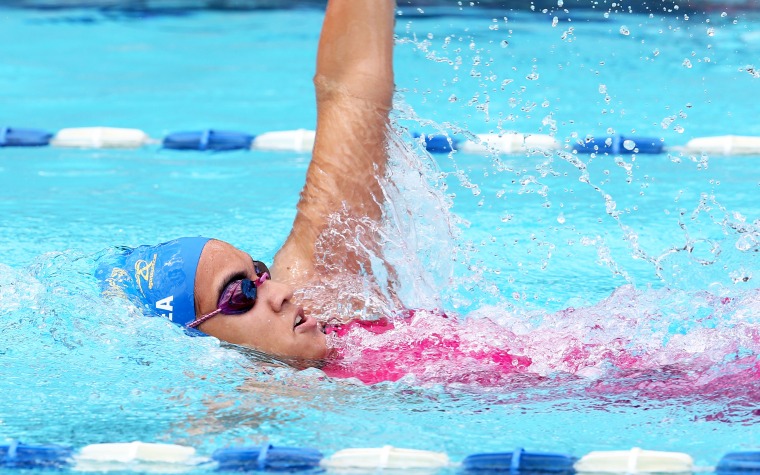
(354, 89)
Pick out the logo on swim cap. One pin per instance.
(144, 271)
(160, 279)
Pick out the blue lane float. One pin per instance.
(620, 145)
(266, 458)
(15, 137)
(480, 144)
(437, 143)
(170, 458)
(302, 141)
(739, 463)
(22, 456)
(216, 140)
(519, 462)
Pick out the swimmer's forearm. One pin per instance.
(354, 86)
(356, 47)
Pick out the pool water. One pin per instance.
(629, 281)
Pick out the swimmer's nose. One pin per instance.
(276, 294)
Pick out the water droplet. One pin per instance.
(678, 129)
(746, 243)
(687, 63)
(504, 43)
(561, 218)
(656, 52)
(711, 31)
(624, 30)
(723, 15)
(602, 89)
(610, 130)
(532, 76)
(555, 21)
(608, 142)
(629, 144)
(453, 98)
(560, 3)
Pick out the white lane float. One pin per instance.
(100, 137)
(137, 456)
(300, 140)
(387, 457)
(509, 143)
(634, 461)
(724, 145)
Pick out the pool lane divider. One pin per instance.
(170, 458)
(302, 140)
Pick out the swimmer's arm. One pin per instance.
(354, 88)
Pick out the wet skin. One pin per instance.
(272, 325)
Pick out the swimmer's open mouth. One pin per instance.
(300, 319)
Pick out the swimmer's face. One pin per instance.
(271, 326)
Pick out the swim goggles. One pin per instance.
(238, 297)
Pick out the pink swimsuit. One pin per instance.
(430, 346)
(604, 358)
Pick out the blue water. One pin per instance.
(655, 253)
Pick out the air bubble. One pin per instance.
(624, 30)
(629, 144)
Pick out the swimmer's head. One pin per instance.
(275, 325)
(189, 278)
(160, 279)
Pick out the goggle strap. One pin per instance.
(197, 322)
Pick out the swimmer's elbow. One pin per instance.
(369, 87)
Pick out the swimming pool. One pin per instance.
(656, 255)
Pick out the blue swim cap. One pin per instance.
(160, 279)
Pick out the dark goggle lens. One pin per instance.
(239, 296)
(261, 268)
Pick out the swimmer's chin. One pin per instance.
(298, 362)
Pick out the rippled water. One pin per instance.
(593, 302)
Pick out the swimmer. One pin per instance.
(209, 286)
